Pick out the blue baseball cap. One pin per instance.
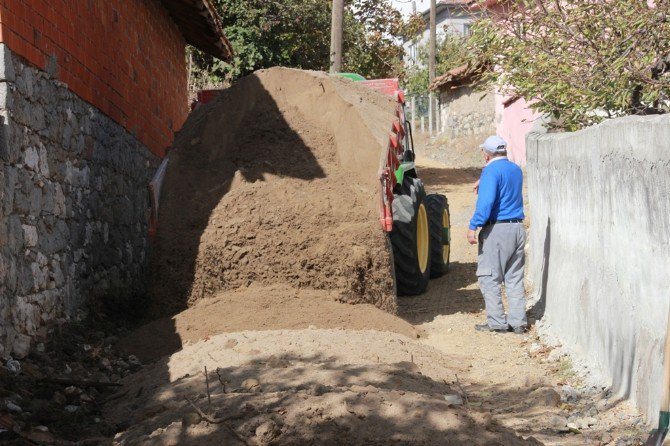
(494, 144)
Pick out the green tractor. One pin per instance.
(418, 224)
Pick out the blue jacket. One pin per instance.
(500, 193)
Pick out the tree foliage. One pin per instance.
(296, 33)
(580, 61)
(373, 41)
(452, 51)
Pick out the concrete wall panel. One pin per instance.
(600, 248)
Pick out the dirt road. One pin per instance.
(515, 377)
(298, 367)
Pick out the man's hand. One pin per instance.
(475, 188)
(472, 237)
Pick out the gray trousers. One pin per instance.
(501, 260)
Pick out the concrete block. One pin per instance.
(9, 151)
(5, 96)
(6, 64)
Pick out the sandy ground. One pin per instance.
(300, 367)
(507, 374)
(258, 308)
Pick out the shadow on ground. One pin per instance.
(455, 292)
(438, 176)
(307, 399)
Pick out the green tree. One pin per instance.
(296, 33)
(580, 61)
(374, 36)
(452, 51)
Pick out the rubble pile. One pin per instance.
(55, 394)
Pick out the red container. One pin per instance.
(384, 86)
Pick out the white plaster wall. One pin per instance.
(450, 21)
(600, 248)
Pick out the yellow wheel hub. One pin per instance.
(422, 238)
(446, 246)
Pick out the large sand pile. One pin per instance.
(275, 182)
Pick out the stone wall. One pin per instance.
(467, 113)
(600, 249)
(74, 204)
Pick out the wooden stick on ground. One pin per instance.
(204, 416)
(209, 396)
(223, 383)
(464, 394)
(222, 421)
(116, 396)
(80, 382)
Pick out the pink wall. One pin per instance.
(513, 122)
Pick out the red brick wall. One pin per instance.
(126, 57)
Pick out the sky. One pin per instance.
(406, 5)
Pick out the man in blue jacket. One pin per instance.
(499, 214)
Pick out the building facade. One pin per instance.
(90, 96)
(467, 116)
(453, 17)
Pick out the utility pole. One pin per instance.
(413, 103)
(336, 36)
(431, 60)
(433, 40)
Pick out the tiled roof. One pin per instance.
(456, 2)
(443, 4)
(455, 77)
(483, 5)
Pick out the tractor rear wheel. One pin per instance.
(440, 234)
(410, 240)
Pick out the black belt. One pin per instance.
(511, 220)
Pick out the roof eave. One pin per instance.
(456, 77)
(200, 25)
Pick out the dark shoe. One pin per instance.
(519, 330)
(485, 327)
